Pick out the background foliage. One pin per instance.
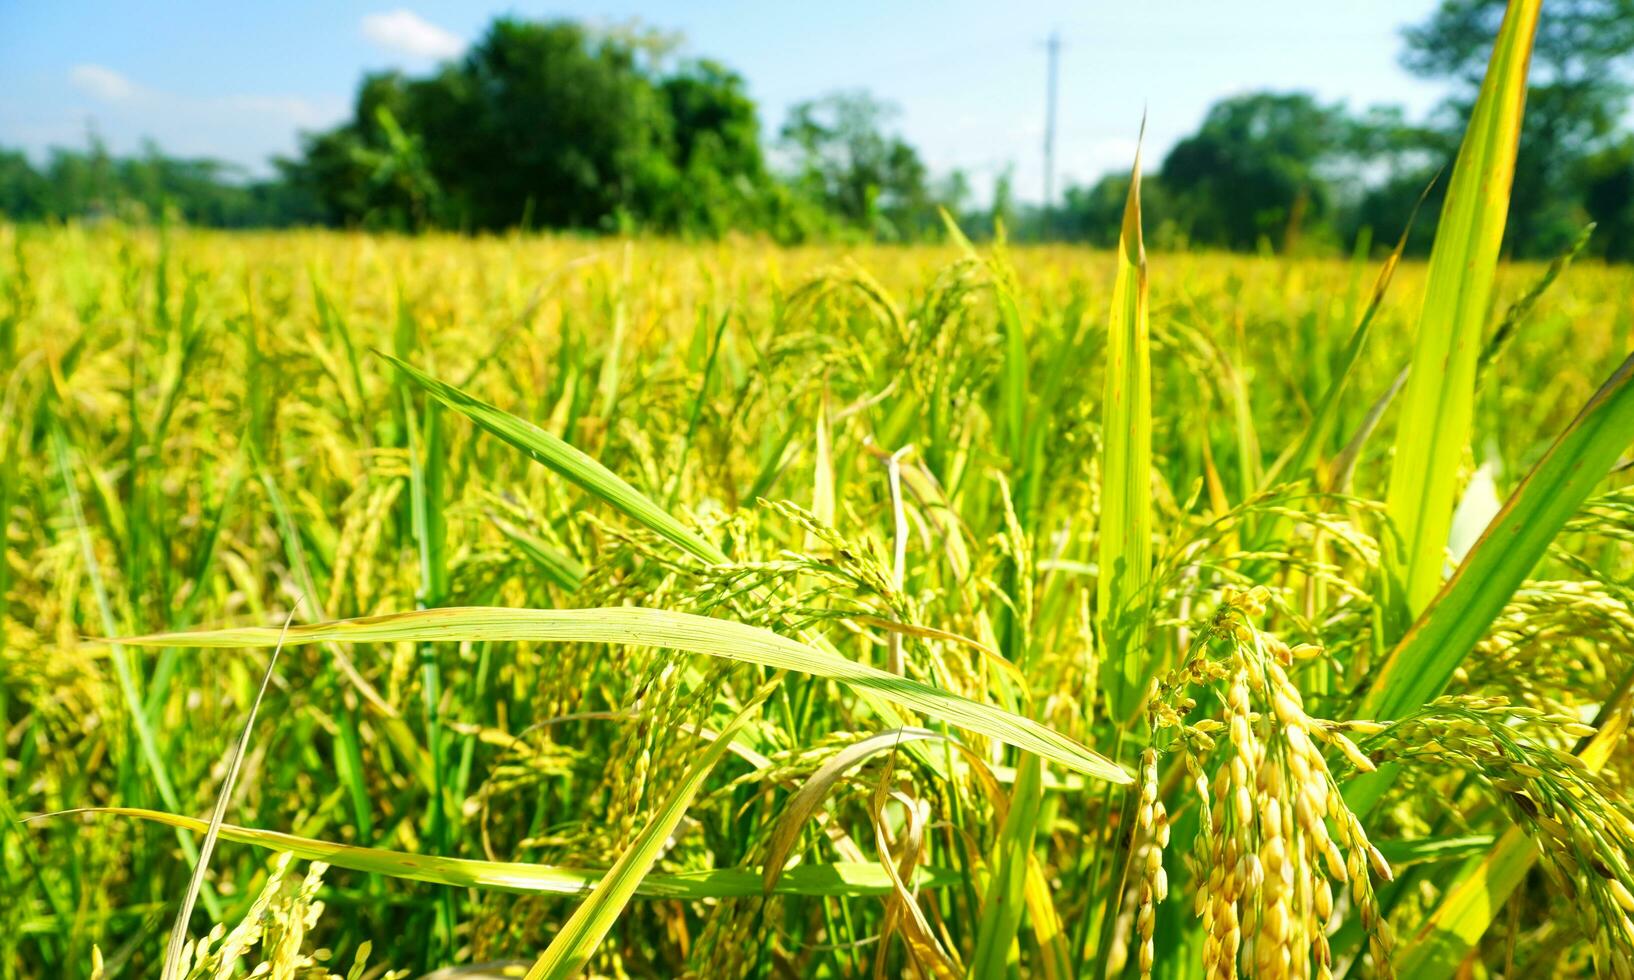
(556, 125)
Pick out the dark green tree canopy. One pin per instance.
(715, 119)
(1253, 166)
(1577, 97)
(543, 118)
(866, 175)
(550, 124)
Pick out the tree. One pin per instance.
(714, 118)
(23, 189)
(93, 183)
(722, 178)
(545, 119)
(556, 125)
(369, 172)
(1094, 214)
(1607, 179)
(1254, 166)
(549, 124)
(1393, 172)
(1577, 93)
(1003, 212)
(870, 178)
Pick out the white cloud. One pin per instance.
(101, 83)
(405, 32)
(296, 111)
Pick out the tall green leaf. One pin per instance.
(588, 926)
(1320, 428)
(670, 631)
(842, 878)
(1126, 463)
(567, 460)
(174, 950)
(1440, 397)
(1419, 667)
(1006, 896)
(596, 479)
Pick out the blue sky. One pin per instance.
(238, 80)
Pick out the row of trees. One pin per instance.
(553, 125)
(549, 125)
(543, 125)
(1278, 169)
(93, 182)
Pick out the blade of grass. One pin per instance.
(799, 808)
(671, 631)
(1404, 853)
(1440, 399)
(1126, 463)
(561, 568)
(427, 466)
(1320, 429)
(1421, 664)
(592, 476)
(608, 383)
(173, 964)
(1419, 667)
(1048, 930)
(123, 671)
(816, 787)
(842, 878)
(567, 460)
(590, 922)
(698, 402)
(1006, 897)
(1522, 308)
(1344, 464)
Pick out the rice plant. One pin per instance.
(651, 609)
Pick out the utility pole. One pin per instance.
(1053, 45)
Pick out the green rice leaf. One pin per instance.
(567, 460)
(1401, 853)
(588, 926)
(559, 567)
(1126, 464)
(1322, 423)
(843, 878)
(1440, 399)
(1420, 666)
(174, 954)
(670, 631)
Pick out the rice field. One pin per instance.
(378, 606)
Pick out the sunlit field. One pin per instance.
(382, 605)
(198, 429)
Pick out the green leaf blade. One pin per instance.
(839, 879)
(1439, 404)
(567, 460)
(1126, 463)
(1420, 666)
(672, 631)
